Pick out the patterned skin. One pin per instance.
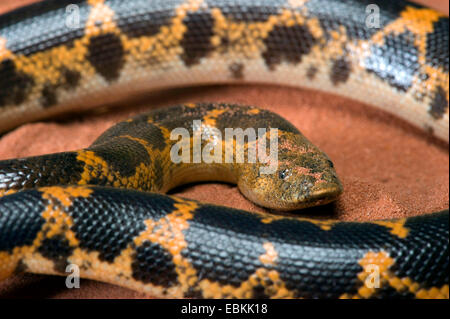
(60, 208)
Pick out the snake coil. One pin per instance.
(101, 208)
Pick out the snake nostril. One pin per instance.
(330, 163)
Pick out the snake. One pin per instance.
(104, 208)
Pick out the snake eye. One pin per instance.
(283, 174)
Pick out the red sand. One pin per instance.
(388, 168)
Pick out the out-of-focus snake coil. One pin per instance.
(102, 207)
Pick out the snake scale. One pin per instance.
(102, 207)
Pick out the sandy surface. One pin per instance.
(388, 168)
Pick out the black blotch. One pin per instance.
(164, 116)
(123, 156)
(340, 71)
(154, 136)
(109, 219)
(159, 172)
(388, 292)
(396, 61)
(15, 86)
(237, 71)
(71, 78)
(259, 292)
(196, 42)
(20, 218)
(239, 114)
(437, 45)
(439, 104)
(216, 253)
(193, 293)
(311, 73)
(21, 267)
(106, 54)
(58, 250)
(153, 264)
(138, 127)
(287, 44)
(48, 96)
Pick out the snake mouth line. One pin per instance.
(325, 196)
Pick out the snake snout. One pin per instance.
(323, 195)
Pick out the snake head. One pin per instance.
(304, 177)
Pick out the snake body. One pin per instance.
(101, 208)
